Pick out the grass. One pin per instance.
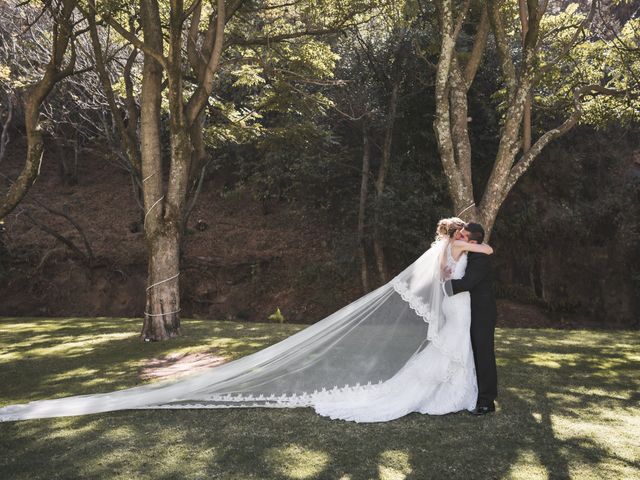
(568, 408)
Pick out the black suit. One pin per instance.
(477, 281)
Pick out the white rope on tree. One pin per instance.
(161, 314)
(147, 178)
(473, 204)
(162, 281)
(151, 208)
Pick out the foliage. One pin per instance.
(277, 316)
(608, 56)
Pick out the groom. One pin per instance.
(477, 282)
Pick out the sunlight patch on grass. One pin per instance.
(120, 432)
(612, 469)
(45, 325)
(583, 391)
(524, 394)
(296, 462)
(394, 465)
(550, 360)
(76, 373)
(68, 428)
(619, 430)
(68, 345)
(600, 450)
(528, 467)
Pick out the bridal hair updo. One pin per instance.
(448, 226)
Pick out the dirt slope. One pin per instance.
(238, 261)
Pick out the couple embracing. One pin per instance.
(456, 370)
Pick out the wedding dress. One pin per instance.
(403, 347)
(440, 379)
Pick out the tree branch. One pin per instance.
(523, 164)
(72, 246)
(199, 98)
(126, 34)
(89, 255)
(500, 36)
(342, 25)
(479, 45)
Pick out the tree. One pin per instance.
(180, 92)
(523, 69)
(59, 66)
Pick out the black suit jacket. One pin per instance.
(477, 281)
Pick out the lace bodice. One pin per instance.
(455, 269)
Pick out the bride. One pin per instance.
(402, 348)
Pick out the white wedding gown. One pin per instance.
(402, 348)
(440, 379)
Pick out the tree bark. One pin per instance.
(526, 121)
(442, 124)
(364, 191)
(162, 319)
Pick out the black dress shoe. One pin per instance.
(483, 410)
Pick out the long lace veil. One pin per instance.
(362, 344)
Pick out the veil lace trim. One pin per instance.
(305, 399)
(415, 302)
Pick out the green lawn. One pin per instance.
(568, 408)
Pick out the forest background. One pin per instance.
(319, 174)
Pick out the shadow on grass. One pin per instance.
(565, 401)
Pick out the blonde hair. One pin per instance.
(448, 226)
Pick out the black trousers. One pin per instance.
(483, 325)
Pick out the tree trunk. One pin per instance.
(364, 190)
(452, 85)
(378, 248)
(448, 135)
(162, 319)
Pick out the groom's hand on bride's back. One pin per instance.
(477, 270)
